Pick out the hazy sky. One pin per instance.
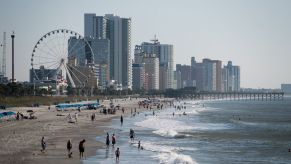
(254, 34)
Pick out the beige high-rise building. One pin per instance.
(151, 62)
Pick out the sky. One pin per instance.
(253, 34)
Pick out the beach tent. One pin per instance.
(78, 105)
(6, 115)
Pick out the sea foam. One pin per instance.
(164, 127)
(169, 154)
(174, 158)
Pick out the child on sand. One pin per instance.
(117, 154)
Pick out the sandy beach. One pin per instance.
(21, 140)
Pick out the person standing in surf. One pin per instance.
(117, 154)
(121, 119)
(113, 140)
(107, 140)
(138, 146)
(131, 134)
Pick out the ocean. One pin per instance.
(210, 132)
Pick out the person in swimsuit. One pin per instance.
(82, 148)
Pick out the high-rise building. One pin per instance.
(207, 74)
(193, 62)
(163, 72)
(138, 54)
(218, 64)
(95, 26)
(185, 71)
(198, 73)
(231, 77)
(102, 73)
(210, 75)
(101, 50)
(118, 31)
(166, 59)
(177, 80)
(236, 70)
(151, 62)
(138, 76)
(77, 49)
(165, 54)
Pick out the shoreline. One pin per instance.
(21, 139)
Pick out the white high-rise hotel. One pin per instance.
(118, 31)
(164, 53)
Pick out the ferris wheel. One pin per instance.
(56, 54)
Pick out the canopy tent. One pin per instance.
(78, 105)
(4, 115)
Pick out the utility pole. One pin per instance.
(12, 37)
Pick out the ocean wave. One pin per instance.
(164, 127)
(170, 132)
(173, 128)
(174, 158)
(169, 154)
(157, 147)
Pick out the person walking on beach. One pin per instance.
(117, 154)
(76, 117)
(113, 140)
(107, 140)
(121, 119)
(69, 147)
(70, 118)
(93, 117)
(43, 145)
(82, 148)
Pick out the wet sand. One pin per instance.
(20, 140)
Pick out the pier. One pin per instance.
(258, 96)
